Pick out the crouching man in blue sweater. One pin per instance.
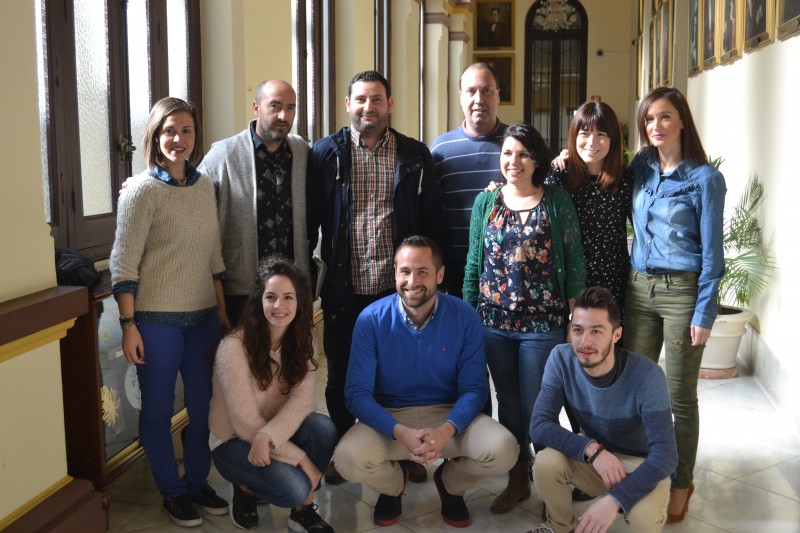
(626, 450)
(416, 382)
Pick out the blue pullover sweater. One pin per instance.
(632, 416)
(393, 365)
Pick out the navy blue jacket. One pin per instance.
(417, 206)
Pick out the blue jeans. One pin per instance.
(516, 362)
(169, 350)
(279, 483)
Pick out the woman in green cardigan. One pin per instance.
(524, 267)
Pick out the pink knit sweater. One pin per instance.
(240, 409)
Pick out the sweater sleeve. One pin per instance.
(359, 390)
(134, 218)
(474, 266)
(241, 391)
(473, 387)
(217, 264)
(574, 263)
(662, 457)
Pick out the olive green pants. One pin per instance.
(658, 312)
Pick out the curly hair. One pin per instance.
(297, 343)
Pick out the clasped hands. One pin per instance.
(424, 445)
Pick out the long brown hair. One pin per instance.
(297, 344)
(691, 147)
(600, 116)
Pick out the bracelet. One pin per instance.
(126, 321)
(596, 452)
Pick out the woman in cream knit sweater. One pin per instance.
(166, 270)
(266, 438)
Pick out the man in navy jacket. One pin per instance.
(369, 187)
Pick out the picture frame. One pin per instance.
(695, 65)
(504, 66)
(710, 40)
(788, 18)
(493, 25)
(731, 19)
(666, 28)
(641, 16)
(657, 49)
(639, 67)
(759, 23)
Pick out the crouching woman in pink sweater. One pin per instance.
(266, 437)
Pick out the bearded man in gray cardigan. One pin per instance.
(260, 179)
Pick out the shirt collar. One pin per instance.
(160, 173)
(410, 323)
(355, 136)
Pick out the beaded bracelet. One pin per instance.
(596, 452)
(126, 321)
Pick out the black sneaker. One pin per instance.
(389, 509)
(307, 519)
(454, 510)
(332, 476)
(243, 511)
(181, 512)
(207, 500)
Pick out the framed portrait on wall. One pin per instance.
(694, 63)
(666, 43)
(710, 48)
(494, 25)
(759, 23)
(732, 30)
(639, 67)
(504, 66)
(788, 18)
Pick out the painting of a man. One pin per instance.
(493, 25)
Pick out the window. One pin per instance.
(102, 64)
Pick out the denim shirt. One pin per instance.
(677, 224)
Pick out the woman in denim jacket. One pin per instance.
(676, 263)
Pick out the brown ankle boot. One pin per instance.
(518, 489)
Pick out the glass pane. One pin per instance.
(44, 111)
(570, 85)
(541, 86)
(177, 37)
(91, 62)
(138, 77)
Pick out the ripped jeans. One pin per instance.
(658, 312)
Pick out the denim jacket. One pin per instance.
(677, 223)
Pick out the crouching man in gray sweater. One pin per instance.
(626, 450)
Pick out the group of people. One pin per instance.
(436, 266)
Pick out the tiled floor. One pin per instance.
(747, 479)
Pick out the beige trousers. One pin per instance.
(553, 471)
(483, 449)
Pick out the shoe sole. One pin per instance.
(237, 524)
(195, 522)
(216, 511)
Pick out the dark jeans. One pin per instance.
(279, 483)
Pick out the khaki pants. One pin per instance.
(483, 449)
(553, 471)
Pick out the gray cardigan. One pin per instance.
(230, 163)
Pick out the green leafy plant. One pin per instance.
(748, 265)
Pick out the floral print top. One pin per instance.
(518, 286)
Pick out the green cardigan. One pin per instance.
(567, 251)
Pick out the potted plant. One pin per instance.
(748, 267)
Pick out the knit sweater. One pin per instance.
(394, 365)
(567, 248)
(166, 240)
(240, 409)
(631, 416)
(465, 164)
(231, 164)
